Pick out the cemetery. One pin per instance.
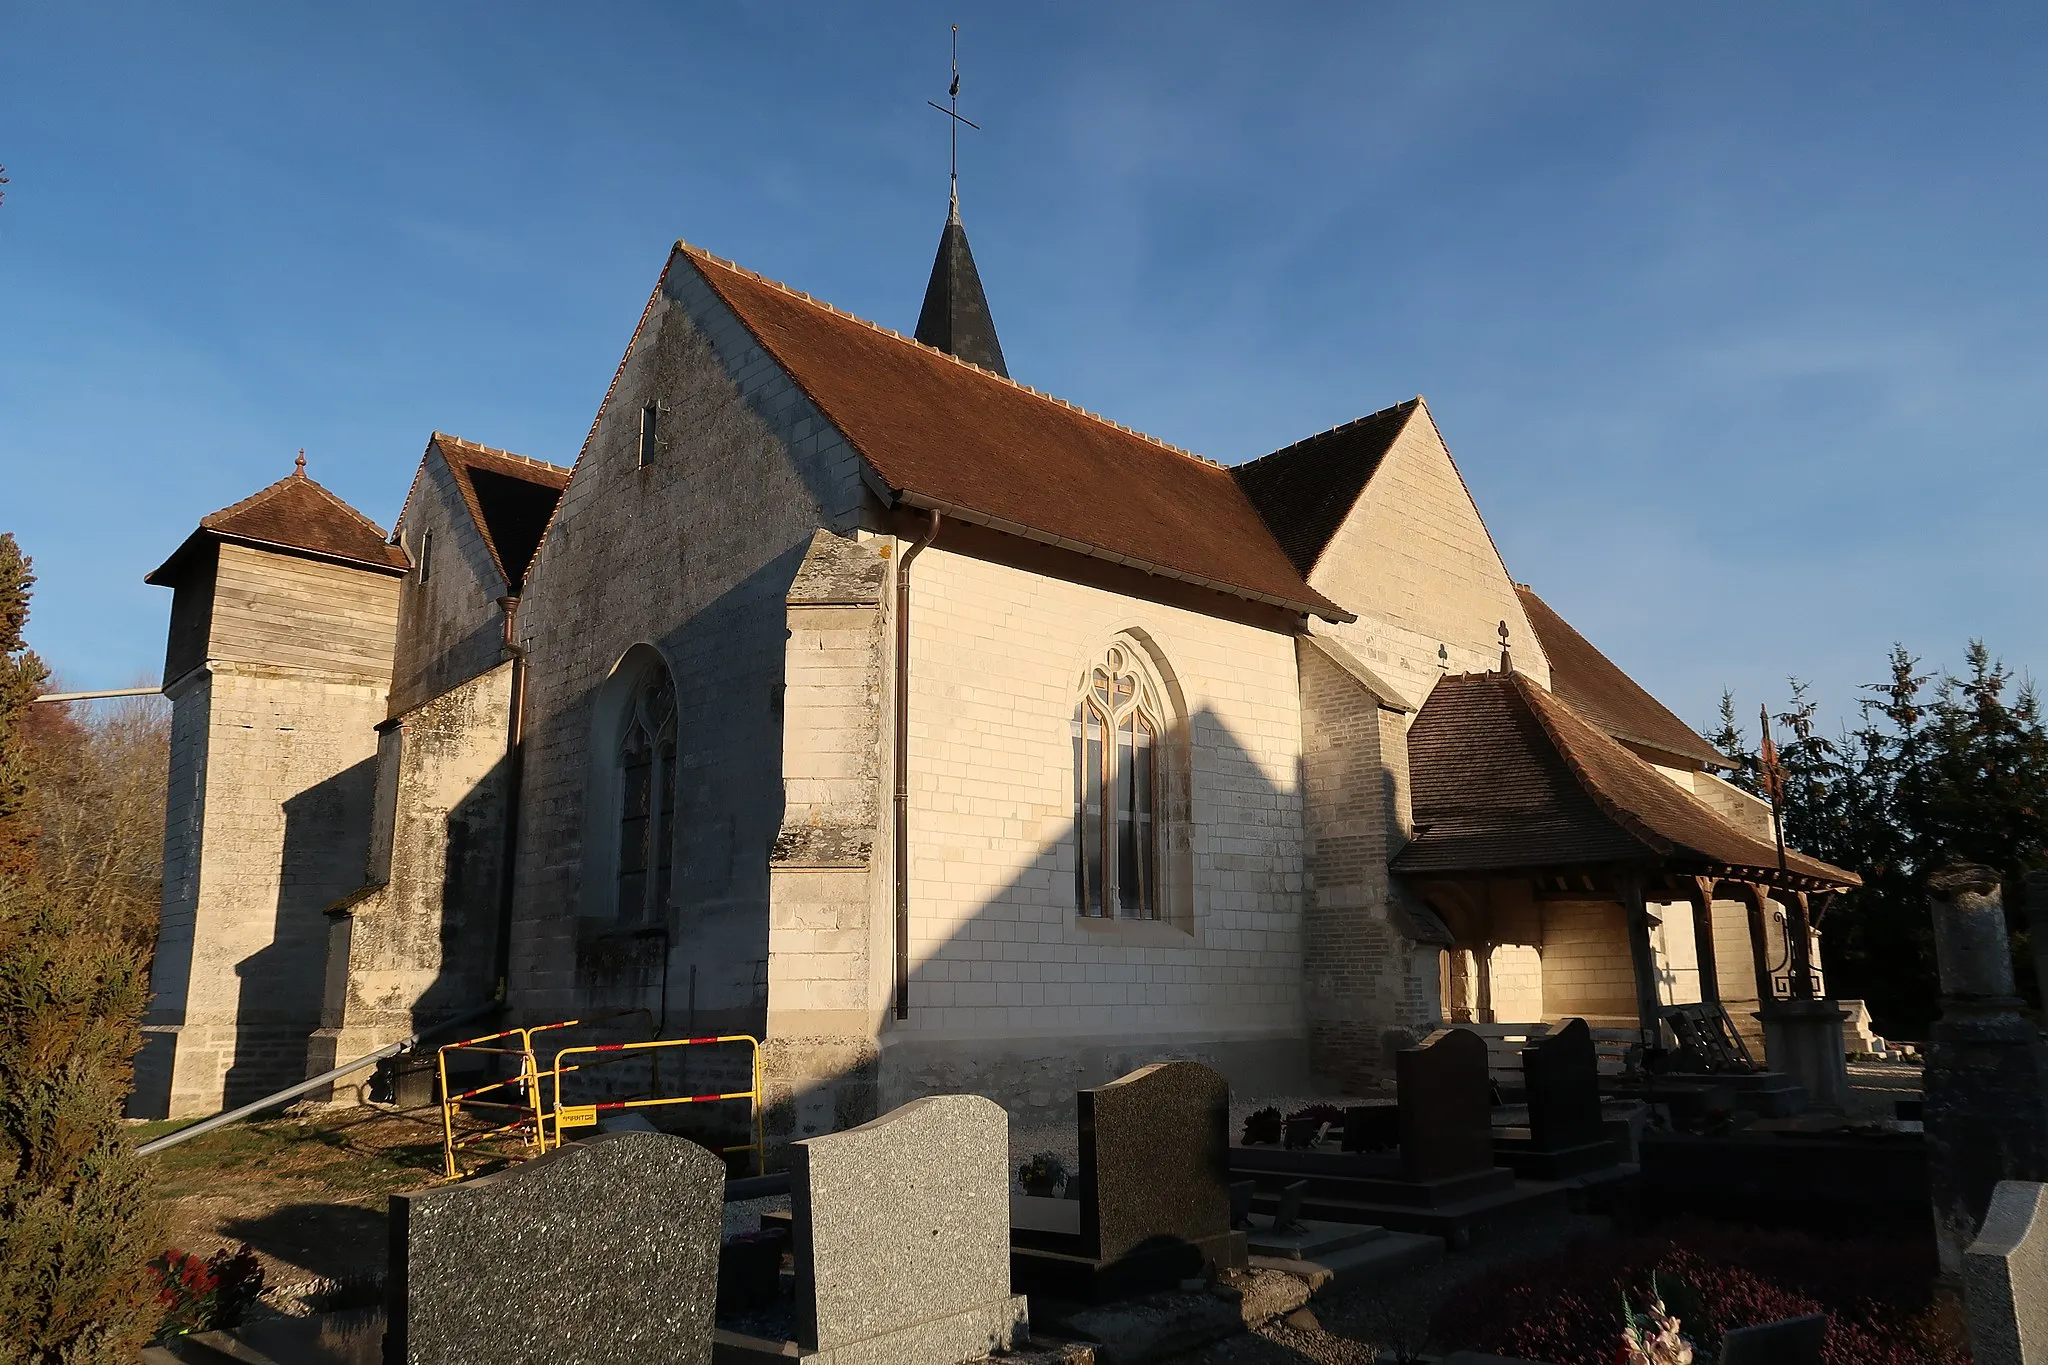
(1533, 1218)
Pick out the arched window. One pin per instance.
(646, 804)
(1119, 731)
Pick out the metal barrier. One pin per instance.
(529, 1124)
(585, 1115)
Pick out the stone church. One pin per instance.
(847, 693)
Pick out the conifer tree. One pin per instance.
(78, 1224)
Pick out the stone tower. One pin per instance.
(278, 669)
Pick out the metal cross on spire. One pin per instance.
(953, 113)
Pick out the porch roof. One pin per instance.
(1508, 776)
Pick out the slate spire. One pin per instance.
(955, 316)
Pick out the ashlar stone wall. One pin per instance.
(454, 629)
(691, 553)
(1416, 563)
(1015, 995)
(273, 742)
(417, 943)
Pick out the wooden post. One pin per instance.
(1482, 956)
(1700, 891)
(1637, 911)
(1754, 901)
(1799, 944)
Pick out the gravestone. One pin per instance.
(1562, 1072)
(602, 1251)
(1154, 1179)
(1795, 1341)
(1446, 1106)
(901, 1237)
(1986, 1106)
(2005, 1278)
(1155, 1158)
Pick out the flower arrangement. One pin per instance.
(1651, 1337)
(1044, 1173)
(205, 1295)
(1263, 1126)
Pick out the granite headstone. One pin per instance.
(1155, 1158)
(2005, 1278)
(603, 1251)
(1794, 1341)
(902, 1237)
(1446, 1106)
(1562, 1072)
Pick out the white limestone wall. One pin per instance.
(1415, 562)
(1002, 966)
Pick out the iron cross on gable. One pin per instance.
(953, 112)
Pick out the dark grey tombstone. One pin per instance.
(1242, 1192)
(603, 1251)
(1795, 1341)
(1562, 1072)
(1155, 1158)
(1986, 1107)
(1446, 1103)
(1287, 1218)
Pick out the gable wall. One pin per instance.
(694, 555)
(450, 627)
(1013, 994)
(1414, 561)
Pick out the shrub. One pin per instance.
(1568, 1308)
(208, 1295)
(1262, 1126)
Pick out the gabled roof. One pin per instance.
(509, 497)
(1508, 777)
(1603, 694)
(1304, 491)
(295, 515)
(951, 436)
(955, 317)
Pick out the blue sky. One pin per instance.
(1736, 317)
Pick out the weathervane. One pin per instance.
(953, 113)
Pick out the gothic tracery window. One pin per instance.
(647, 780)
(1118, 730)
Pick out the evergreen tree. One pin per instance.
(21, 676)
(78, 1224)
(1727, 737)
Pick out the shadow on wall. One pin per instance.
(1025, 1001)
(326, 838)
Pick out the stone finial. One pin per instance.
(299, 465)
(1507, 661)
(1970, 943)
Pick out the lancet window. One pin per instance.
(647, 823)
(1118, 742)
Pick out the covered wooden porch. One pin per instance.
(1578, 880)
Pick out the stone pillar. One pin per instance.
(1986, 1110)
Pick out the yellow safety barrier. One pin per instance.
(585, 1115)
(528, 1126)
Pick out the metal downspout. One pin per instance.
(903, 766)
(515, 739)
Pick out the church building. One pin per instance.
(847, 693)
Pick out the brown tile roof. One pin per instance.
(1603, 694)
(1305, 490)
(1508, 777)
(509, 497)
(950, 435)
(295, 514)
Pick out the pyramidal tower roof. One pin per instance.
(955, 316)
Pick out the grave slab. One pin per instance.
(605, 1250)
